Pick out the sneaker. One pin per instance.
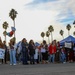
(14, 64)
(19, 63)
(10, 64)
(64, 62)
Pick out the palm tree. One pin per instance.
(68, 27)
(13, 39)
(51, 29)
(42, 35)
(74, 33)
(74, 23)
(13, 15)
(47, 35)
(5, 26)
(61, 33)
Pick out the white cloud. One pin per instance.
(71, 4)
(31, 22)
(34, 22)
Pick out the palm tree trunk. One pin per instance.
(63, 37)
(5, 37)
(68, 33)
(14, 32)
(51, 37)
(43, 38)
(48, 40)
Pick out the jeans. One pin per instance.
(20, 58)
(40, 57)
(31, 59)
(51, 58)
(25, 58)
(62, 58)
(12, 56)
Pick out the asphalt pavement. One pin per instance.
(38, 69)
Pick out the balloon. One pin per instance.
(13, 28)
(10, 34)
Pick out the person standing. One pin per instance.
(71, 53)
(31, 51)
(24, 46)
(36, 55)
(43, 51)
(12, 52)
(46, 51)
(57, 52)
(40, 54)
(1, 46)
(62, 55)
(52, 51)
(5, 47)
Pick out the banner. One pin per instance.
(2, 53)
(68, 45)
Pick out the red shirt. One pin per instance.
(52, 49)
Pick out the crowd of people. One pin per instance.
(27, 53)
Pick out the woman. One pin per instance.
(5, 47)
(46, 51)
(57, 55)
(43, 51)
(52, 51)
(24, 46)
(31, 51)
(12, 53)
(36, 55)
(1, 46)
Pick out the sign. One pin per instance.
(2, 53)
(68, 45)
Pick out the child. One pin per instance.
(62, 55)
(36, 55)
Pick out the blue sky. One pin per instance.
(36, 3)
(69, 17)
(63, 9)
(40, 1)
(35, 16)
